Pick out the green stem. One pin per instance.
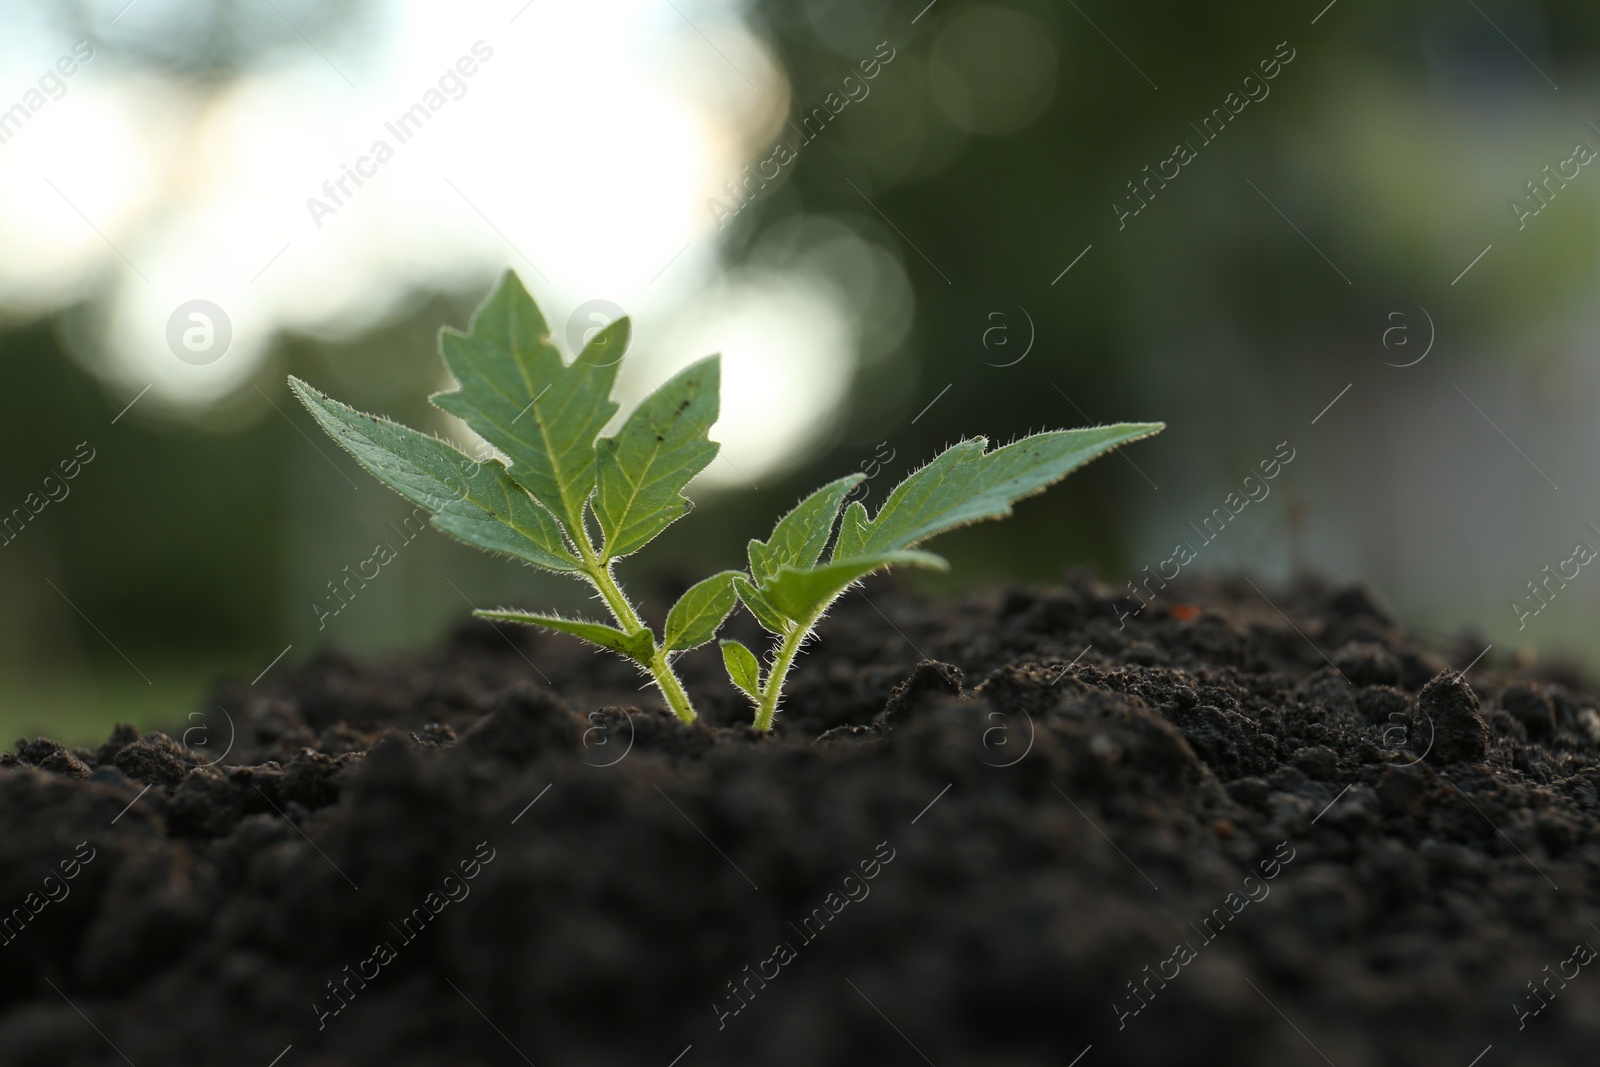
(667, 681)
(615, 598)
(660, 668)
(767, 709)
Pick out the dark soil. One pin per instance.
(1361, 858)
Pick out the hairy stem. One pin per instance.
(667, 681)
(660, 668)
(788, 649)
(615, 598)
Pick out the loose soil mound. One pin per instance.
(1220, 835)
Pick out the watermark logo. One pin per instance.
(53, 490)
(870, 469)
(52, 85)
(199, 332)
(337, 191)
(1540, 190)
(1144, 186)
(52, 890)
(202, 730)
(997, 737)
(598, 735)
(997, 339)
(1398, 336)
(1544, 593)
(853, 888)
(585, 324)
(1397, 741)
(742, 191)
(348, 983)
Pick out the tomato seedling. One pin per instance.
(567, 500)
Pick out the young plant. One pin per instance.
(566, 500)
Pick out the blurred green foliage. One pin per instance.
(989, 155)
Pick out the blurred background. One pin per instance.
(1361, 235)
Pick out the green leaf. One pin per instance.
(744, 670)
(477, 502)
(800, 592)
(517, 393)
(762, 564)
(700, 612)
(800, 536)
(639, 646)
(852, 532)
(761, 608)
(643, 469)
(486, 529)
(964, 485)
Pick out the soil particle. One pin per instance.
(1368, 663)
(1400, 788)
(47, 754)
(209, 803)
(1318, 761)
(1383, 704)
(122, 735)
(155, 758)
(1459, 732)
(525, 722)
(929, 678)
(1530, 706)
(850, 733)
